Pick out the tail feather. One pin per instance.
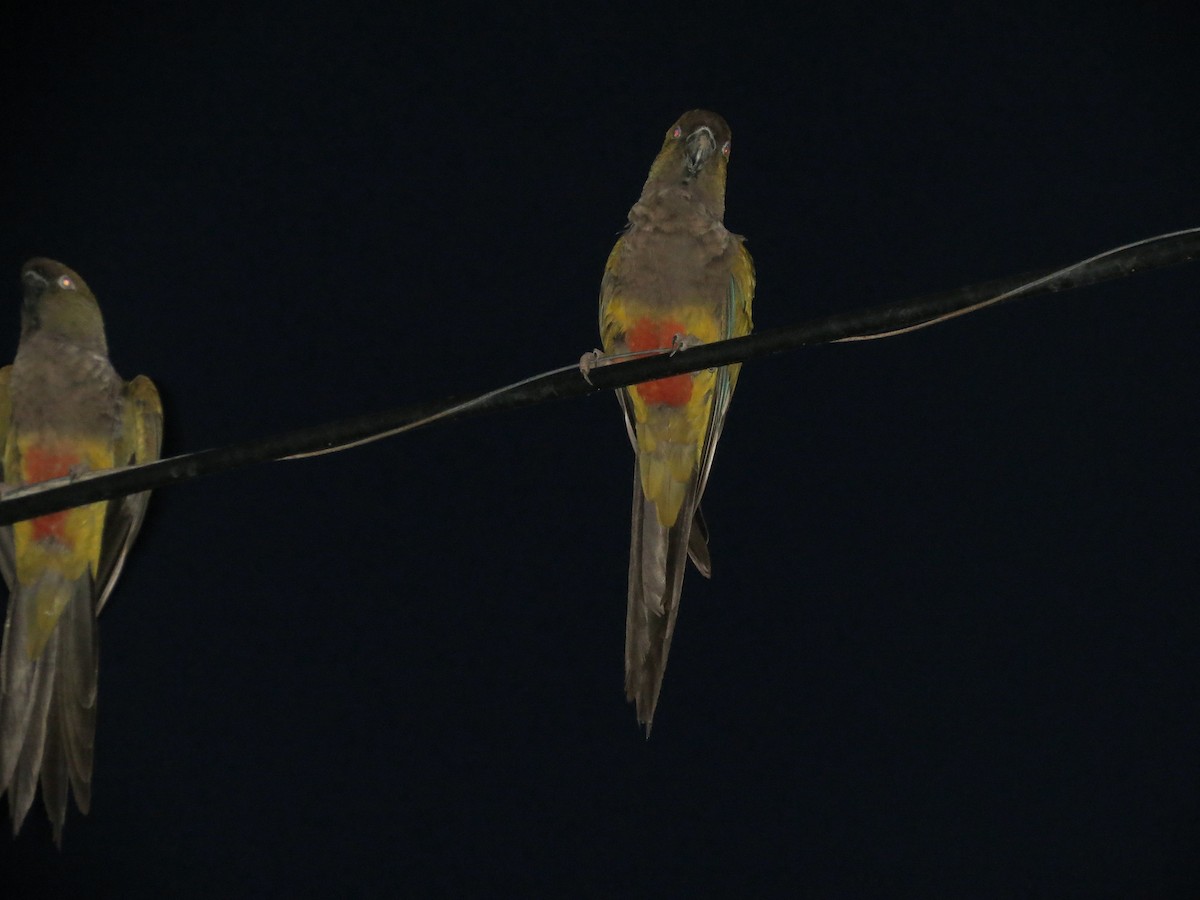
(54, 777)
(657, 557)
(24, 711)
(47, 704)
(75, 691)
(698, 544)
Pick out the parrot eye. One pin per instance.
(677, 133)
(66, 282)
(725, 149)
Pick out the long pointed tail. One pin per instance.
(48, 702)
(657, 557)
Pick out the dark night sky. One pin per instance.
(952, 644)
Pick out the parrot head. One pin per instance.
(57, 301)
(694, 154)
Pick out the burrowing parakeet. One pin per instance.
(675, 278)
(63, 410)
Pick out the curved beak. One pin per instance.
(34, 278)
(34, 282)
(700, 146)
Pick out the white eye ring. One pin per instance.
(66, 282)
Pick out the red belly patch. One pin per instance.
(647, 334)
(41, 465)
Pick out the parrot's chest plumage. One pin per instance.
(59, 388)
(675, 256)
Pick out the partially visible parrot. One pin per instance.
(63, 410)
(675, 278)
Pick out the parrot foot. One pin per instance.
(684, 342)
(591, 360)
(76, 470)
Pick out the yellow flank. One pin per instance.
(56, 550)
(49, 600)
(670, 438)
(670, 442)
(620, 315)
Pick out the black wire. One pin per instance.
(35, 500)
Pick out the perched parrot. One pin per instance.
(63, 410)
(675, 278)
